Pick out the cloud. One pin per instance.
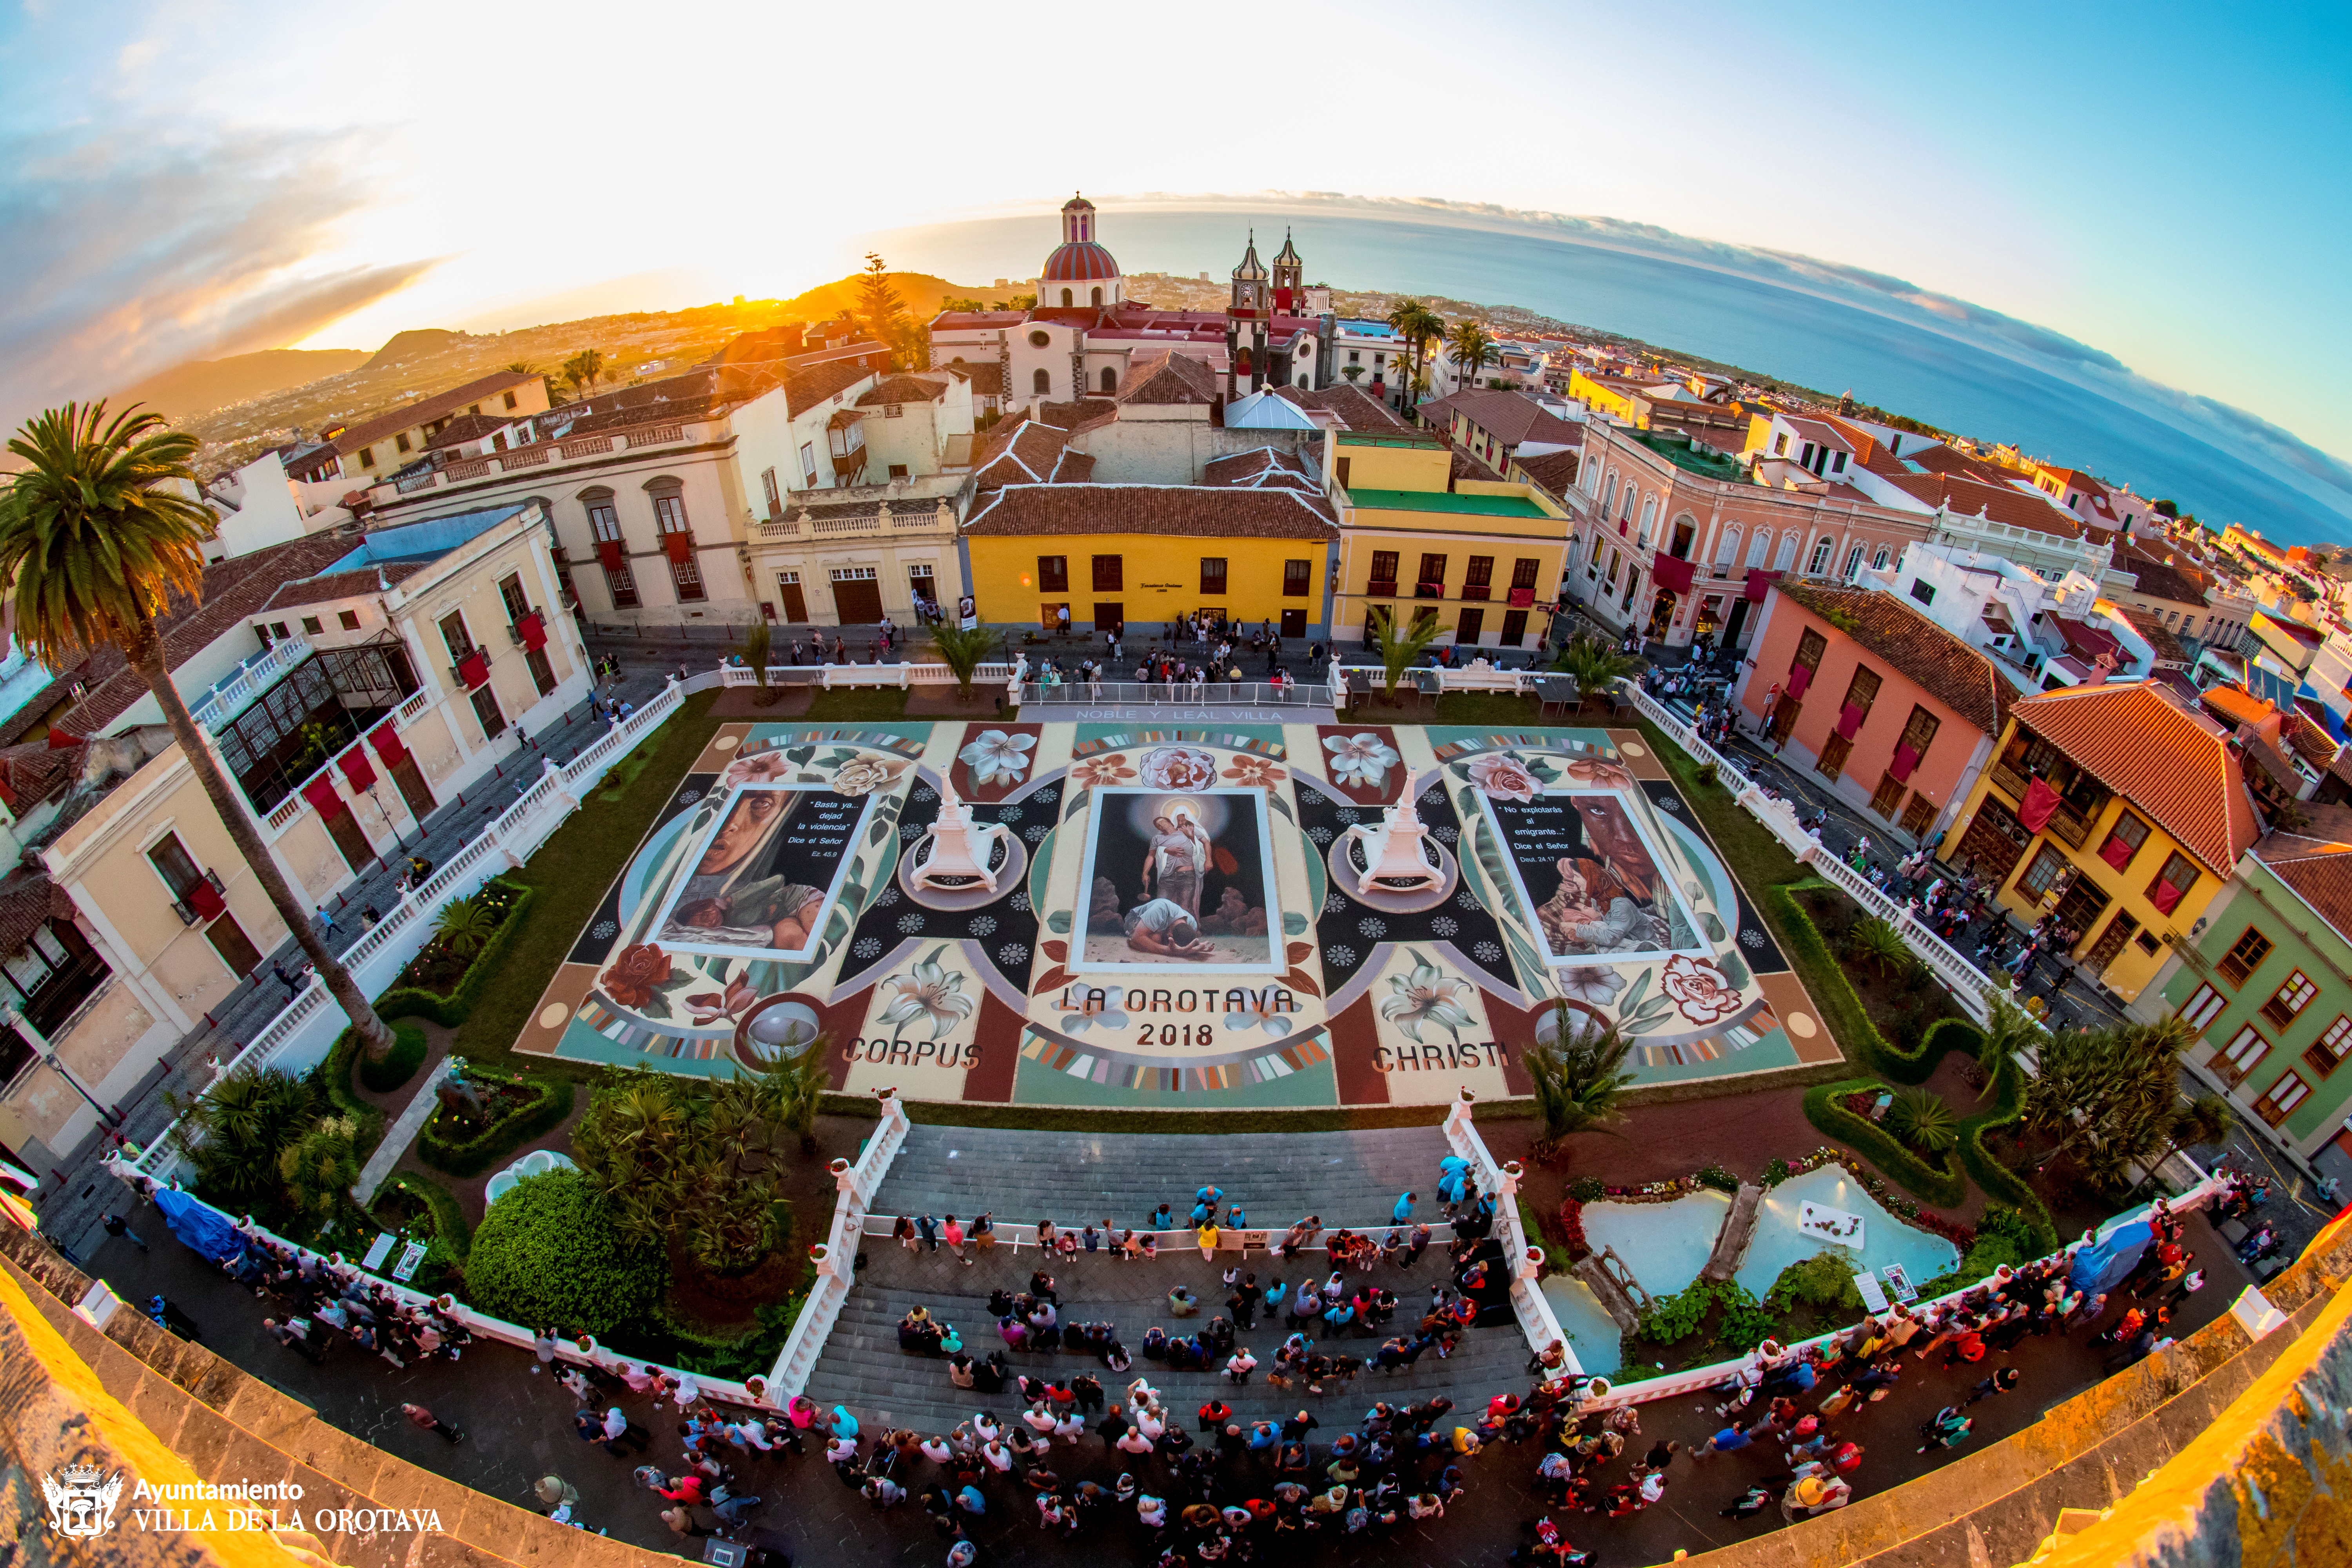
(131, 251)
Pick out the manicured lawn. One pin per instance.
(856, 705)
(569, 874)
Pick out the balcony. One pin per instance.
(311, 713)
(1479, 591)
(202, 901)
(230, 695)
(1429, 590)
(2069, 825)
(1377, 589)
(2010, 782)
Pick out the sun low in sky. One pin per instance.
(2167, 185)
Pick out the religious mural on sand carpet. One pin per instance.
(1194, 915)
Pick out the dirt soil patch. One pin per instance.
(743, 702)
(937, 699)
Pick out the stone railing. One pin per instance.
(832, 675)
(1970, 987)
(1536, 1319)
(1700, 1379)
(305, 1029)
(255, 675)
(836, 1256)
(753, 1393)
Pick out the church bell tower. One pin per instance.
(1245, 324)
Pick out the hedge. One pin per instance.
(1941, 1188)
(1851, 1023)
(471, 1156)
(414, 1002)
(443, 1265)
(548, 1255)
(399, 1064)
(335, 1077)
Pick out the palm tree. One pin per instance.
(1473, 351)
(1579, 1074)
(1417, 323)
(961, 650)
(464, 925)
(1401, 650)
(1877, 942)
(792, 1090)
(1924, 1122)
(2008, 1031)
(1593, 662)
(583, 369)
(2202, 1122)
(96, 541)
(758, 644)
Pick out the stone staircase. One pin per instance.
(1075, 1179)
(1348, 1178)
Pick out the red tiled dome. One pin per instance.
(1081, 261)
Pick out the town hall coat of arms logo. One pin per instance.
(81, 1500)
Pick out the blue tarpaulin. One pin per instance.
(2102, 1266)
(198, 1227)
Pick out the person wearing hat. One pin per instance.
(555, 1491)
(1808, 1493)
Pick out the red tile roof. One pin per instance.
(1196, 512)
(234, 590)
(1885, 626)
(1510, 417)
(2315, 860)
(28, 900)
(425, 410)
(1167, 378)
(905, 388)
(2171, 762)
(1021, 451)
(1553, 472)
(1996, 502)
(1260, 467)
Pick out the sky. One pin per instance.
(2168, 186)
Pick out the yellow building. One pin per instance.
(2121, 809)
(1104, 555)
(1484, 557)
(1615, 395)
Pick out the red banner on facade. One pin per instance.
(533, 628)
(206, 899)
(357, 769)
(608, 551)
(1905, 759)
(1671, 571)
(474, 669)
(679, 546)
(320, 792)
(1849, 720)
(387, 742)
(2039, 805)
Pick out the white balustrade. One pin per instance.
(306, 1026)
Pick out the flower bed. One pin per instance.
(418, 992)
(519, 1111)
(1569, 1229)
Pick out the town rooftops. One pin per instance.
(1023, 451)
(902, 388)
(1261, 467)
(2159, 579)
(2150, 627)
(1355, 410)
(234, 589)
(1510, 417)
(1459, 503)
(2176, 764)
(1195, 511)
(1167, 378)
(425, 410)
(2315, 862)
(2002, 503)
(1885, 626)
(1553, 472)
(28, 900)
(466, 427)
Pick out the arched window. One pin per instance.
(1302, 385)
(1727, 550)
(1067, 298)
(1878, 561)
(1649, 518)
(1110, 378)
(1626, 515)
(1854, 559)
(1788, 553)
(1820, 557)
(1041, 383)
(1097, 300)
(1759, 553)
(1609, 504)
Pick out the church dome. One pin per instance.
(1079, 261)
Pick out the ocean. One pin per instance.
(1778, 331)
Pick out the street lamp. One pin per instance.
(16, 1020)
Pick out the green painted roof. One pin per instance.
(1447, 502)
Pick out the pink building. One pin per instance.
(1895, 713)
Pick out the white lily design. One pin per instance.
(998, 756)
(1260, 1013)
(928, 992)
(1361, 759)
(1428, 996)
(1592, 984)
